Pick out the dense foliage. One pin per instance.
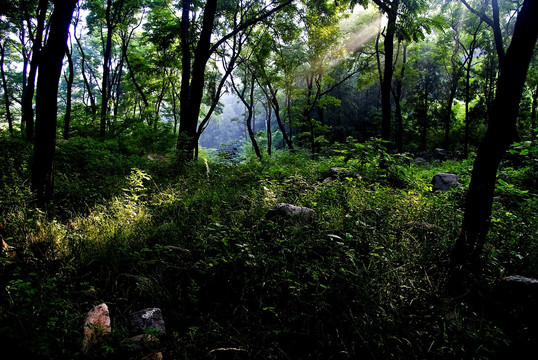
(368, 278)
(141, 157)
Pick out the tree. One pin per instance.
(500, 134)
(108, 19)
(403, 23)
(69, 80)
(37, 41)
(249, 83)
(5, 87)
(47, 99)
(196, 53)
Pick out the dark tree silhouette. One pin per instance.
(500, 134)
(47, 99)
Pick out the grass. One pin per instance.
(367, 279)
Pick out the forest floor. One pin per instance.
(368, 278)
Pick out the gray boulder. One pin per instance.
(300, 215)
(440, 154)
(147, 319)
(444, 181)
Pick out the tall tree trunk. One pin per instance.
(397, 95)
(386, 85)
(69, 80)
(105, 81)
(499, 135)
(25, 63)
(47, 100)
(174, 105)
(5, 87)
(534, 116)
(193, 77)
(87, 83)
(424, 117)
(28, 95)
(469, 64)
(448, 109)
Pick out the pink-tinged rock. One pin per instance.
(96, 325)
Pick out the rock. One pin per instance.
(419, 161)
(336, 173)
(300, 215)
(96, 325)
(228, 353)
(444, 181)
(522, 281)
(143, 342)
(439, 154)
(154, 356)
(147, 319)
(157, 157)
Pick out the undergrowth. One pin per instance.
(367, 279)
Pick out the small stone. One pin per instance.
(301, 215)
(150, 319)
(444, 181)
(154, 356)
(419, 161)
(96, 325)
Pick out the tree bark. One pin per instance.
(69, 80)
(397, 95)
(5, 87)
(533, 112)
(47, 100)
(87, 83)
(268, 111)
(193, 77)
(386, 85)
(499, 135)
(469, 63)
(250, 111)
(105, 81)
(28, 97)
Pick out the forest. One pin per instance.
(269, 179)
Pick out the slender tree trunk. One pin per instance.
(47, 100)
(467, 101)
(28, 98)
(87, 83)
(268, 114)
(276, 108)
(424, 120)
(249, 104)
(174, 105)
(251, 134)
(397, 95)
(499, 135)
(448, 109)
(5, 87)
(534, 116)
(69, 80)
(25, 63)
